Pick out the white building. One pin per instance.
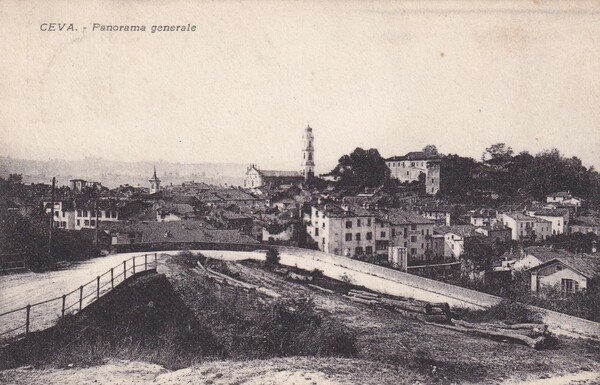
(409, 167)
(568, 274)
(523, 227)
(341, 230)
(558, 219)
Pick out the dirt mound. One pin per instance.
(142, 317)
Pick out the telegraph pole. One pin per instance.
(51, 218)
(96, 232)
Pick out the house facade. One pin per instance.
(409, 167)
(341, 230)
(524, 227)
(568, 274)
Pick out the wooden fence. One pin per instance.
(20, 322)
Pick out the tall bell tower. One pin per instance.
(308, 154)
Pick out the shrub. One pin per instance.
(272, 257)
(510, 312)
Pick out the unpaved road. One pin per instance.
(19, 290)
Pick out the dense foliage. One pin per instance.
(516, 177)
(362, 168)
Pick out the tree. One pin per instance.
(362, 168)
(430, 150)
(498, 151)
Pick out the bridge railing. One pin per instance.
(40, 315)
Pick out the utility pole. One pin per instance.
(51, 218)
(96, 233)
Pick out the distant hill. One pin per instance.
(114, 173)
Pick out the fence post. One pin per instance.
(64, 300)
(145, 261)
(124, 270)
(133, 265)
(112, 278)
(28, 309)
(97, 287)
(80, 297)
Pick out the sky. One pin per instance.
(395, 76)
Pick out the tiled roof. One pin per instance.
(402, 217)
(280, 174)
(415, 155)
(587, 265)
(185, 231)
(461, 230)
(550, 213)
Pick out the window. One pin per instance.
(369, 236)
(569, 286)
(316, 231)
(368, 221)
(357, 236)
(78, 222)
(369, 249)
(393, 232)
(413, 238)
(358, 251)
(323, 225)
(413, 251)
(348, 236)
(383, 234)
(86, 222)
(413, 227)
(93, 222)
(348, 224)
(558, 267)
(358, 223)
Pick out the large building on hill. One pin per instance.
(257, 178)
(409, 167)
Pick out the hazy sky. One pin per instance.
(395, 76)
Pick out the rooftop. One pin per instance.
(415, 155)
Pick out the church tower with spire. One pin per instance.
(308, 154)
(154, 183)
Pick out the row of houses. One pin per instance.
(355, 231)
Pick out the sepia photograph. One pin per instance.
(277, 192)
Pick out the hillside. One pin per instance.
(114, 173)
(232, 329)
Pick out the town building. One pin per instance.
(257, 178)
(564, 198)
(342, 230)
(526, 228)
(440, 215)
(569, 274)
(484, 217)
(558, 218)
(454, 238)
(409, 167)
(585, 225)
(154, 183)
(496, 233)
(408, 230)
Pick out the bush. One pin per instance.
(510, 312)
(272, 257)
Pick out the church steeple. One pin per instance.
(308, 154)
(154, 183)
